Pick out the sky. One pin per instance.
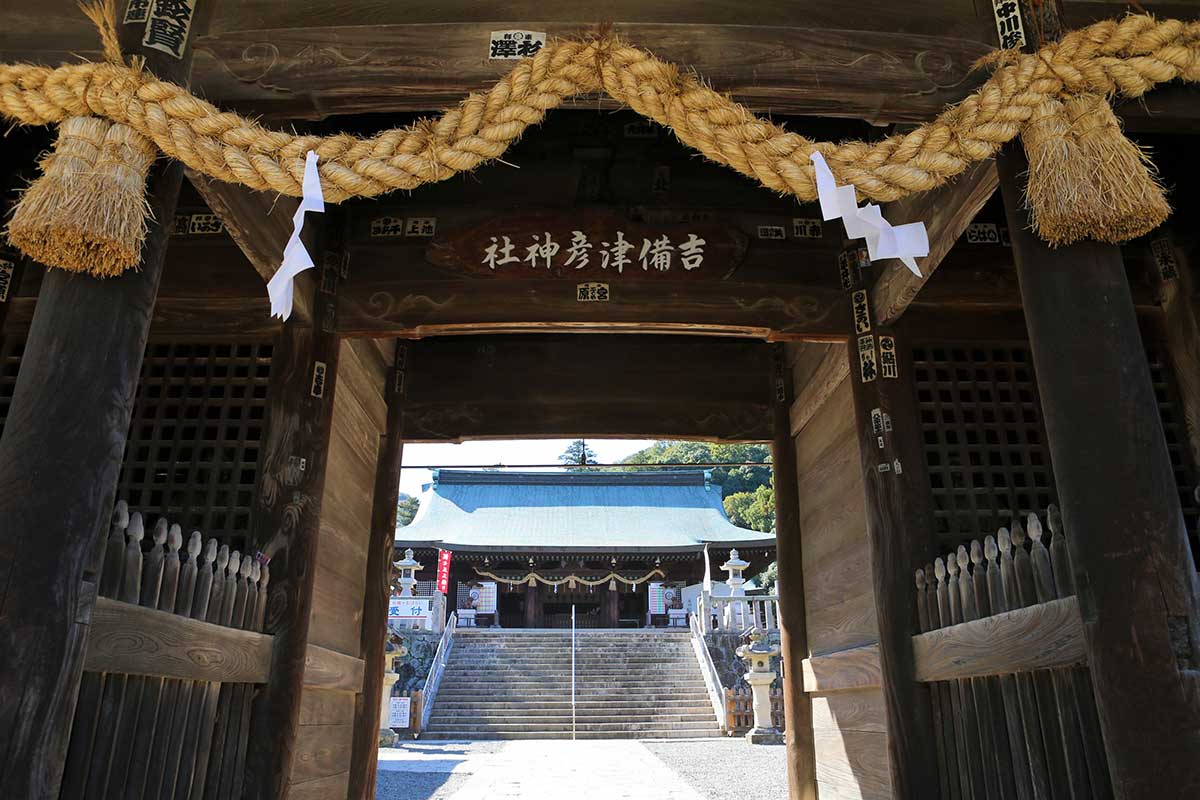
(514, 452)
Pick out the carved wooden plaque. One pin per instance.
(589, 244)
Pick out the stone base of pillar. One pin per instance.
(387, 737)
(764, 736)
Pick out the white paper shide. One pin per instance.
(295, 256)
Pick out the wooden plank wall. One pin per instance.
(849, 729)
(325, 739)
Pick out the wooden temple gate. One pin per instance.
(1009, 377)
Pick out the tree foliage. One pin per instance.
(754, 510)
(577, 453)
(406, 509)
(732, 480)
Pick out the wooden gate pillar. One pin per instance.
(59, 463)
(285, 525)
(793, 622)
(1133, 570)
(367, 712)
(899, 529)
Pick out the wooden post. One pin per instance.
(378, 581)
(1133, 571)
(59, 462)
(793, 623)
(285, 527)
(899, 530)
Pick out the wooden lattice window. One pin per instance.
(193, 444)
(985, 441)
(985, 445)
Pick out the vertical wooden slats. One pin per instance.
(1030, 735)
(139, 737)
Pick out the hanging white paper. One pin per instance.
(295, 257)
(884, 240)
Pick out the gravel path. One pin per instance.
(700, 769)
(757, 770)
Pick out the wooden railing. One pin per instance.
(739, 709)
(434, 679)
(1002, 649)
(174, 650)
(738, 614)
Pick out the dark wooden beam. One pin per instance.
(899, 531)
(284, 527)
(384, 306)
(793, 621)
(557, 385)
(60, 457)
(1133, 570)
(378, 584)
(261, 225)
(946, 213)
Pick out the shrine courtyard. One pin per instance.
(696, 769)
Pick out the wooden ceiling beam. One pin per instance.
(946, 212)
(261, 225)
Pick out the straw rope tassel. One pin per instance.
(87, 212)
(1086, 179)
(1089, 194)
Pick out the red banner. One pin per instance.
(443, 573)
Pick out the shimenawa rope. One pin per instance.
(1126, 57)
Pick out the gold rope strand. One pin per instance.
(1127, 57)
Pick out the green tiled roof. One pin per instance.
(659, 511)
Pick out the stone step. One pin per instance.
(542, 725)
(617, 716)
(705, 733)
(505, 672)
(542, 708)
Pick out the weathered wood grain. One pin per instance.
(382, 306)
(136, 640)
(1118, 497)
(946, 212)
(850, 710)
(856, 668)
(260, 224)
(285, 526)
(87, 341)
(328, 669)
(378, 580)
(825, 379)
(790, 559)
(853, 764)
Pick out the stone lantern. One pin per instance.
(408, 567)
(758, 654)
(737, 615)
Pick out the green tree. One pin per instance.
(578, 453)
(732, 480)
(754, 510)
(768, 579)
(406, 509)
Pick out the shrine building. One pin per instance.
(626, 549)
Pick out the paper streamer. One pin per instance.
(295, 257)
(884, 240)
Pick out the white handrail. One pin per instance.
(572, 671)
(712, 682)
(759, 610)
(434, 679)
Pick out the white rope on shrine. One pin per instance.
(533, 579)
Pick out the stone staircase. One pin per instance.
(516, 684)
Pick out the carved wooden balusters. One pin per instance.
(138, 734)
(1024, 732)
